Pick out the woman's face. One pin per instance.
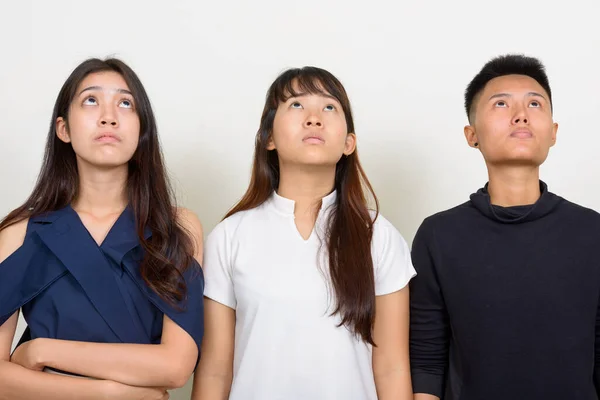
(102, 123)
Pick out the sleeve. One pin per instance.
(597, 353)
(218, 267)
(24, 275)
(429, 326)
(189, 313)
(391, 258)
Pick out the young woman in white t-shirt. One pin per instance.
(302, 279)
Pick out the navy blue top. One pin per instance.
(72, 289)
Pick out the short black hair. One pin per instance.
(509, 64)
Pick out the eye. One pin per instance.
(296, 105)
(330, 107)
(501, 103)
(90, 101)
(535, 104)
(126, 103)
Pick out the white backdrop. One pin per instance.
(207, 66)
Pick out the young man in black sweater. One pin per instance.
(505, 305)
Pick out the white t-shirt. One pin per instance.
(287, 344)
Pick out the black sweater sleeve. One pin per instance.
(597, 353)
(429, 326)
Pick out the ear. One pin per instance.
(471, 136)
(62, 131)
(554, 131)
(270, 143)
(350, 145)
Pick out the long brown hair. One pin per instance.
(350, 225)
(169, 252)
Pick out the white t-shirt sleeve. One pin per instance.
(391, 258)
(218, 271)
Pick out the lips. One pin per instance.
(313, 139)
(521, 134)
(107, 137)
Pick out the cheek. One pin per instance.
(78, 130)
(130, 127)
(283, 130)
(135, 131)
(336, 125)
(546, 127)
(491, 130)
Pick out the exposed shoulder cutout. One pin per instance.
(11, 238)
(189, 221)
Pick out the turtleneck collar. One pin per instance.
(517, 214)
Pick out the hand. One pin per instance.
(118, 391)
(28, 356)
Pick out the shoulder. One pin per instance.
(579, 219)
(447, 219)
(579, 210)
(451, 214)
(190, 222)
(382, 226)
(11, 238)
(386, 236)
(229, 226)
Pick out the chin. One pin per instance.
(318, 160)
(522, 155)
(320, 164)
(521, 160)
(109, 164)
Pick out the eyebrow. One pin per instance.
(531, 94)
(124, 91)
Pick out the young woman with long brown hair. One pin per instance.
(100, 261)
(306, 288)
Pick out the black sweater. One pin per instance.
(505, 305)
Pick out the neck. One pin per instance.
(101, 191)
(306, 186)
(514, 186)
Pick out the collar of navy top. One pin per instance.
(121, 238)
(286, 206)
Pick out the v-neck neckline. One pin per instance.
(286, 207)
(110, 230)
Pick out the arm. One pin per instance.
(168, 364)
(214, 374)
(391, 367)
(18, 383)
(429, 326)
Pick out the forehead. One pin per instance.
(512, 84)
(105, 80)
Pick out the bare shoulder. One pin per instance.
(11, 238)
(189, 220)
(191, 223)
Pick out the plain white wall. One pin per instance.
(208, 64)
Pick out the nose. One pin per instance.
(313, 121)
(520, 117)
(108, 118)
